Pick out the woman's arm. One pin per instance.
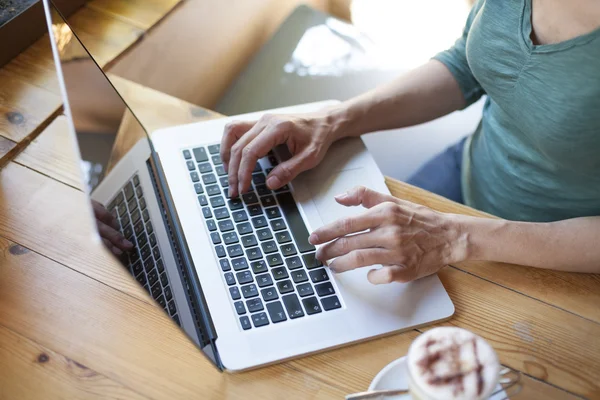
(569, 245)
(421, 95)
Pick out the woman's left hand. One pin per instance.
(410, 241)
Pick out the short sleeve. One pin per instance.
(455, 59)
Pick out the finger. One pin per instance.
(258, 147)
(288, 170)
(360, 258)
(361, 195)
(232, 132)
(370, 219)
(391, 273)
(117, 252)
(102, 214)
(236, 158)
(114, 237)
(346, 244)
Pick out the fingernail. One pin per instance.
(117, 251)
(126, 243)
(341, 196)
(273, 182)
(312, 239)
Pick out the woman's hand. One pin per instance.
(410, 241)
(307, 136)
(108, 227)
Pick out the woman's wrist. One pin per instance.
(482, 238)
(343, 121)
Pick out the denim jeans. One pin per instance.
(442, 174)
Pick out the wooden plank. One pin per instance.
(577, 293)
(6, 145)
(124, 339)
(53, 154)
(50, 373)
(54, 219)
(140, 13)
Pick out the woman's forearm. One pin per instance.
(569, 245)
(421, 95)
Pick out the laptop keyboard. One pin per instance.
(144, 261)
(261, 243)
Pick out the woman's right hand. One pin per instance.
(307, 136)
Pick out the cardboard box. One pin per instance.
(22, 22)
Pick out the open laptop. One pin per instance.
(237, 275)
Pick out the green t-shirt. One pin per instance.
(536, 153)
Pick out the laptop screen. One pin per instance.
(104, 125)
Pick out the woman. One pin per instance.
(534, 159)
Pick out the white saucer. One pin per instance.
(395, 376)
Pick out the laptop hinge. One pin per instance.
(195, 296)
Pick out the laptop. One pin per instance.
(237, 275)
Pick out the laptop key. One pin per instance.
(259, 266)
(221, 213)
(137, 268)
(305, 289)
(216, 159)
(288, 250)
(269, 294)
(156, 253)
(194, 176)
(250, 198)
(142, 240)
(122, 209)
(264, 234)
(225, 266)
(249, 291)
(230, 238)
(149, 227)
(255, 305)
(128, 231)
(285, 286)
(299, 276)
(311, 305)
(311, 261)
(176, 319)
(120, 198)
(245, 322)
(214, 149)
(200, 154)
(217, 201)
(279, 273)
(235, 250)
(220, 170)
(277, 224)
(259, 179)
(292, 305)
(276, 312)
(268, 201)
(249, 240)
(295, 222)
(161, 300)
(319, 275)
(269, 247)
(168, 293)
(244, 228)
(226, 225)
(253, 254)
(240, 216)
(324, 289)
(283, 237)
(132, 205)
(235, 204)
(220, 250)
(209, 179)
(210, 224)
(274, 260)
(135, 216)
(152, 277)
(264, 280)
(254, 209)
(216, 239)
(239, 307)
(204, 168)
(239, 264)
(206, 212)
(244, 277)
(156, 290)
(235, 293)
(213, 190)
(224, 180)
(229, 278)
(171, 307)
(202, 200)
(187, 155)
(293, 263)
(142, 203)
(262, 190)
(284, 188)
(260, 319)
(257, 168)
(259, 222)
(145, 215)
(330, 303)
(273, 212)
(190, 165)
(145, 252)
